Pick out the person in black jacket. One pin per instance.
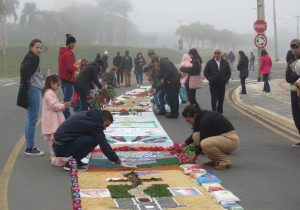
(88, 80)
(243, 67)
(126, 66)
(217, 72)
(139, 63)
(213, 134)
(30, 93)
(170, 78)
(195, 70)
(117, 63)
(291, 77)
(81, 133)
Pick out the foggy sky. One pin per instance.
(164, 16)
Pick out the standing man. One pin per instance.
(252, 61)
(170, 78)
(126, 66)
(117, 63)
(231, 59)
(217, 72)
(67, 69)
(81, 133)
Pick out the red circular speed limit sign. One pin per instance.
(261, 41)
(260, 26)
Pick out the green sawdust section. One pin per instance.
(156, 190)
(161, 162)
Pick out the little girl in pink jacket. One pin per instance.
(52, 112)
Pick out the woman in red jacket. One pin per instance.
(265, 69)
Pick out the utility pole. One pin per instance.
(125, 27)
(275, 32)
(4, 41)
(298, 27)
(260, 16)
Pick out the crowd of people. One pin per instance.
(77, 134)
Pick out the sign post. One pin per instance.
(260, 26)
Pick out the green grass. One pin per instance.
(120, 191)
(15, 54)
(158, 190)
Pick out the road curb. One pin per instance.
(270, 117)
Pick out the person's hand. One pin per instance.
(67, 105)
(125, 165)
(193, 159)
(183, 145)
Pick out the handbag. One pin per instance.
(195, 82)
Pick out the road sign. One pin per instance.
(261, 41)
(260, 26)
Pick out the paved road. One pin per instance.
(264, 175)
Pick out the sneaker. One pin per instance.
(34, 152)
(80, 168)
(82, 164)
(297, 145)
(171, 116)
(160, 112)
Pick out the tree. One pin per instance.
(8, 8)
(29, 14)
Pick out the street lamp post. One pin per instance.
(275, 32)
(260, 16)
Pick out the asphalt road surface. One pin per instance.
(265, 173)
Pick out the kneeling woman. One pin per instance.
(213, 135)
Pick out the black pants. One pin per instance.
(295, 102)
(191, 93)
(82, 98)
(217, 97)
(243, 84)
(119, 76)
(78, 149)
(172, 94)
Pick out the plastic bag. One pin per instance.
(208, 178)
(224, 195)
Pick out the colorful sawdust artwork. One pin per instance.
(144, 140)
(145, 124)
(120, 191)
(158, 190)
(146, 204)
(184, 191)
(94, 193)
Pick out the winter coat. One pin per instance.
(216, 76)
(126, 63)
(52, 112)
(169, 72)
(66, 65)
(265, 64)
(195, 70)
(139, 64)
(117, 61)
(87, 78)
(29, 66)
(85, 123)
(243, 67)
(290, 75)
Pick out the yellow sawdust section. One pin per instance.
(174, 178)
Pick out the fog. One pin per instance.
(155, 22)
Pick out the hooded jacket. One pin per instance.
(85, 123)
(29, 66)
(66, 65)
(265, 64)
(243, 66)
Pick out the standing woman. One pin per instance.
(265, 69)
(243, 69)
(139, 63)
(29, 96)
(195, 70)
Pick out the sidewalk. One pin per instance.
(274, 106)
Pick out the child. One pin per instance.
(110, 77)
(185, 63)
(52, 111)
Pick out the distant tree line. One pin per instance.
(105, 22)
(207, 36)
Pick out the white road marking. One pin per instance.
(5, 85)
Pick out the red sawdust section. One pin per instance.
(137, 169)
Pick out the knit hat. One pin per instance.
(70, 39)
(295, 42)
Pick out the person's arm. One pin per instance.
(115, 62)
(207, 72)
(239, 65)
(95, 78)
(131, 63)
(290, 76)
(69, 61)
(189, 140)
(227, 71)
(106, 148)
(52, 101)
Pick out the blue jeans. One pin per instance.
(266, 83)
(79, 148)
(68, 90)
(161, 96)
(139, 76)
(172, 94)
(251, 66)
(34, 100)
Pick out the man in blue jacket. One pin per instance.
(81, 133)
